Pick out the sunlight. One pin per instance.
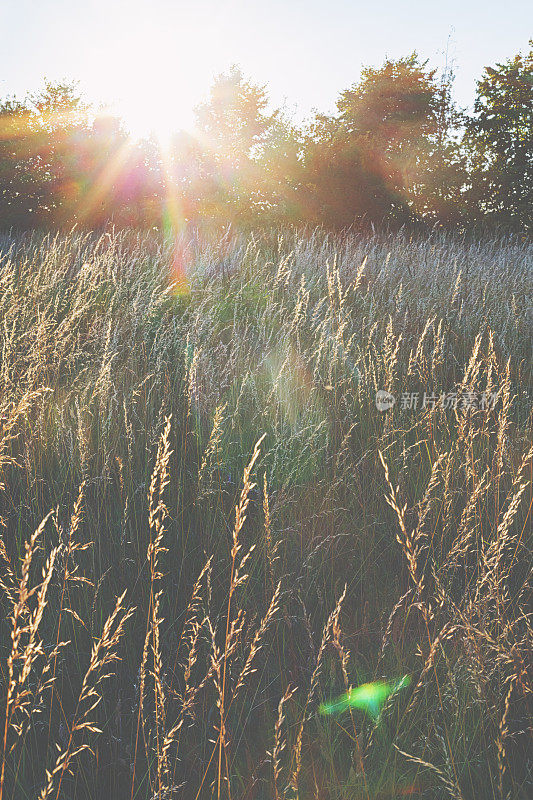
(152, 80)
(154, 117)
(105, 181)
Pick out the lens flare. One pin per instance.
(369, 697)
(174, 225)
(102, 186)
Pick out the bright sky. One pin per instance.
(155, 59)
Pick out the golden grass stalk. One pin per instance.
(104, 652)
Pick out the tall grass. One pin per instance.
(209, 529)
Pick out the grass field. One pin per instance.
(211, 533)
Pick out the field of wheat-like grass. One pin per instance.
(225, 572)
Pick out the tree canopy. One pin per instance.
(500, 136)
(397, 151)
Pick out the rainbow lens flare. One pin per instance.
(369, 697)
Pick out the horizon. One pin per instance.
(132, 63)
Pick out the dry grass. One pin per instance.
(216, 451)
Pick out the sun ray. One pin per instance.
(103, 184)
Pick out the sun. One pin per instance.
(152, 115)
(152, 80)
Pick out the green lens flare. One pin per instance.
(368, 697)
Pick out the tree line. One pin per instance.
(397, 151)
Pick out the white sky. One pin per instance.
(155, 59)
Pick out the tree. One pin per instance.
(342, 181)
(22, 181)
(366, 162)
(235, 119)
(393, 111)
(500, 138)
(278, 167)
(60, 124)
(233, 123)
(438, 191)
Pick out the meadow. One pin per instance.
(211, 535)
